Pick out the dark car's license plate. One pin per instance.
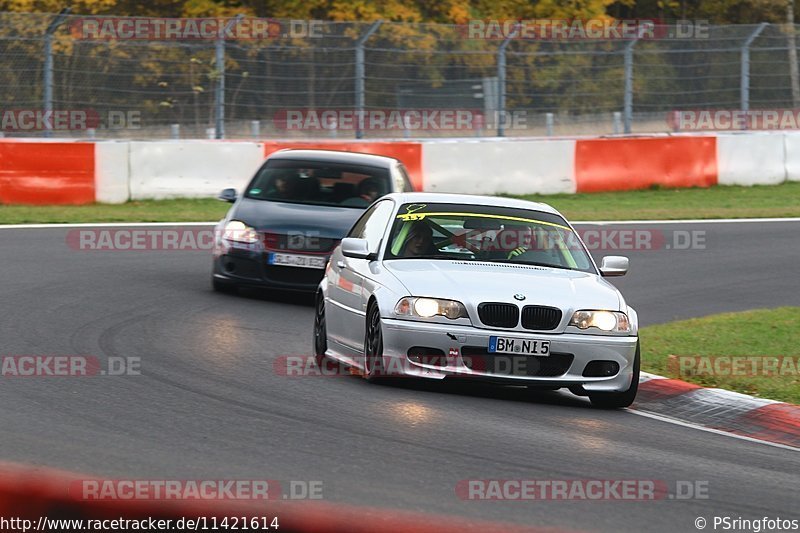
(296, 260)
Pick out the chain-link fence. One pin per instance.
(279, 85)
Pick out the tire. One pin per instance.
(320, 331)
(373, 345)
(618, 400)
(578, 390)
(223, 287)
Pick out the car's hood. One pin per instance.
(280, 217)
(476, 282)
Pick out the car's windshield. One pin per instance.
(319, 183)
(481, 233)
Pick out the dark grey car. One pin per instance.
(282, 229)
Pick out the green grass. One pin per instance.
(759, 333)
(715, 202)
(183, 210)
(655, 204)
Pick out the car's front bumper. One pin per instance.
(250, 268)
(464, 345)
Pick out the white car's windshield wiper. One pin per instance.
(436, 256)
(535, 263)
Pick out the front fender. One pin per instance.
(633, 317)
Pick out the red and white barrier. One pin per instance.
(618, 164)
(513, 166)
(190, 169)
(751, 159)
(111, 176)
(41, 499)
(792, 153)
(47, 172)
(43, 171)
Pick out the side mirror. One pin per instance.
(356, 248)
(227, 195)
(614, 265)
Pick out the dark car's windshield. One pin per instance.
(319, 183)
(482, 233)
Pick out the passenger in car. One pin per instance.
(369, 190)
(282, 187)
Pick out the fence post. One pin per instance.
(360, 76)
(548, 121)
(219, 101)
(501, 81)
(628, 103)
(47, 95)
(627, 108)
(617, 122)
(794, 75)
(744, 87)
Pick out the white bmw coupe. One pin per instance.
(446, 286)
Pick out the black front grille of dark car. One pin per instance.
(499, 315)
(479, 359)
(294, 276)
(540, 317)
(297, 243)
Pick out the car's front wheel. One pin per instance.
(618, 400)
(373, 344)
(223, 286)
(320, 331)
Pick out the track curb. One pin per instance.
(720, 409)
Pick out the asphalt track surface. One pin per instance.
(209, 405)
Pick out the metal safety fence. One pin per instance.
(315, 79)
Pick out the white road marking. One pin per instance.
(105, 224)
(575, 223)
(669, 420)
(685, 221)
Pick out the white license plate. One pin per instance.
(519, 346)
(294, 260)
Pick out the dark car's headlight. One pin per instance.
(238, 231)
(430, 307)
(610, 321)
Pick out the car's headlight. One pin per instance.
(238, 231)
(430, 307)
(612, 321)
